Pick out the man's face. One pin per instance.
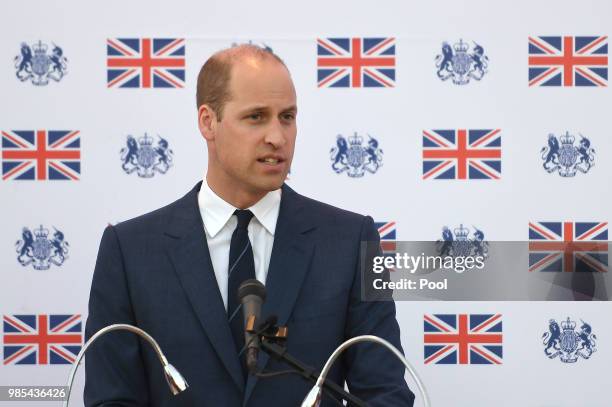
(252, 146)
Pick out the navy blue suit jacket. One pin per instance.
(155, 272)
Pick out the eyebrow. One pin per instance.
(292, 108)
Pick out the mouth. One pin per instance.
(271, 160)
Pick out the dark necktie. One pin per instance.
(241, 268)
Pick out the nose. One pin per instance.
(275, 134)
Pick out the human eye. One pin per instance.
(255, 116)
(289, 116)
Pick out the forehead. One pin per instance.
(255, 80)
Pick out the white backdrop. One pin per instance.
(395, 116)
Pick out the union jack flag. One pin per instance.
(386, 230)
(462, 154)
(145, 62)
(356, 62)
(568, 246)
(464, 339)
(41, 155)
(42, 339)
(568, 61)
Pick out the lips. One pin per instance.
(271, 160)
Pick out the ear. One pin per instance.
(207, 122)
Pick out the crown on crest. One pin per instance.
(40, 48)
(355, 140)
(461, 232)
(568, 325)
(461, 46)
(41, 232)
(567, 138)
(145, 141)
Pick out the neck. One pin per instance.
(240, 198)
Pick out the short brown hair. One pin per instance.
(214, 76)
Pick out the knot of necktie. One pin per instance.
(244, 217)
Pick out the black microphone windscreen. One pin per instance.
(251, 287)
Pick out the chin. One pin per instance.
(271, 185)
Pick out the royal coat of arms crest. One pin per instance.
(461, 64)
(37, 64)
(355, 158)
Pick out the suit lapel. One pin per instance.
(188, 251)
(290, 260)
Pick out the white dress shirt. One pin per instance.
(220, 222)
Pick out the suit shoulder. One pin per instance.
(157, 219)
(332, 214)
(336, 226)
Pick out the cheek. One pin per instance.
(291, 136)
(235, 147)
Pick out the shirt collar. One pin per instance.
(216, 212)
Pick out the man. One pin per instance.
(174, 272)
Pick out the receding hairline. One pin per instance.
(242, 51)
(222, 63)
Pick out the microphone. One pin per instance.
(176, 382)
(313, 398)
(251, 294)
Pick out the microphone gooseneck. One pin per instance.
(313, 398)
(176, 382)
